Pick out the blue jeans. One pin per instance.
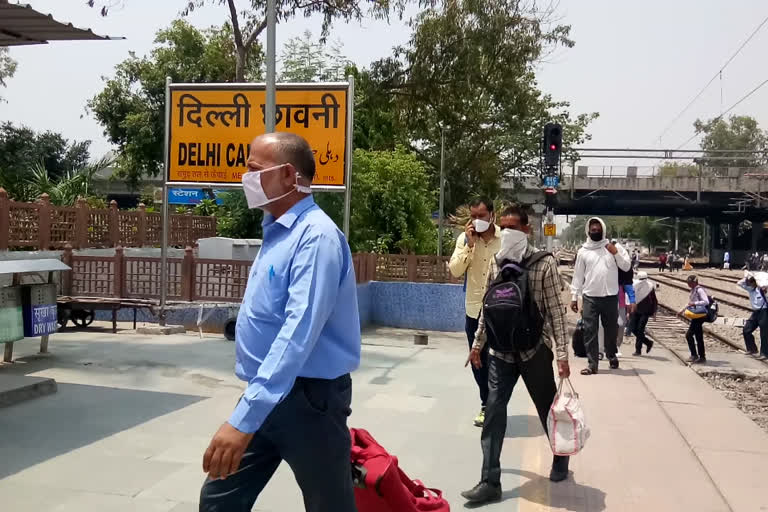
(308, 430)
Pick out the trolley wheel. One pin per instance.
(229, 329)
(82, 318)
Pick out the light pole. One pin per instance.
(441, 206)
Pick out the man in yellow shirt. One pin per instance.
(475, 248)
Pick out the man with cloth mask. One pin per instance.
(596, 280)
(474, 249)
(534, 365)
(297, 340)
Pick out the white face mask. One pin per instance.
(481, 226)
(254, 191)
(513, 246)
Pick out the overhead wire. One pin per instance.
(716, 75)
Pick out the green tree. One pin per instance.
(469, 68)
(235, 219)
(376, 124)
(674, 169)
(306, 60)
(250, 23)
(131, 106)
(22, 150)
(738, 133)
(7, 67)
(392, 203)
(62, 190)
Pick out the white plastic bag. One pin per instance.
(568, 430)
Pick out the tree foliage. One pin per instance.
(131, 106)
(249, 23)
(22, 151)
(306, 60)
(392, 203)
(7, 67)
(738, 133)
(469, 68)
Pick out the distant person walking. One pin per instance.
(647, 305)
(474, 250)
(662, 261)
(698, 299)
(727, 261)
(596, 280)
(758, 318)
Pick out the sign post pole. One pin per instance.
(166, 207)
(270, 110)
(348, 156)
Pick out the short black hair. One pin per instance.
(295, 150)
(515, 210)
(482, 200)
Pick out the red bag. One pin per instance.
(380, 484)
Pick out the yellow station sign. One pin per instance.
(550, 229)
(212, 126)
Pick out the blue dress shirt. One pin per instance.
(299, 315)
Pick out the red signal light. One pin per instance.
(553, 147)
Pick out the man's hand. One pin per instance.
(612, 249)
(474, 358)
(469, 230)
(563, 369)
(222, 458)
(575, 306)
(631, 308)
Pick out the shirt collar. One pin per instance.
(288, 219)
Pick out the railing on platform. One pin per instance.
(44, 226)
(198, 279)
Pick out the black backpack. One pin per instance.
(577, 340)
(513, 322)
(626, 277)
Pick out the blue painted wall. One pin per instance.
(434, 307)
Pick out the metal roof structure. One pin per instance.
(24, 266)
(21, 25)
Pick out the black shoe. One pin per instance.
(614, 363)
(693, 359)
(637, 353)
(649, 346)
(483, 493)
(700, 360)
(559, 468)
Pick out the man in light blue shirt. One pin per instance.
(758, 318)
(297, 340)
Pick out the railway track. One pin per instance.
(669, 329)
(665, 281)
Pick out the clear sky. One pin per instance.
(636, 63)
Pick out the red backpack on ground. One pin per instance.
(380, 484)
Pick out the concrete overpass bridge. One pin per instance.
(725, 196)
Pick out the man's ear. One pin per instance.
(526, 229)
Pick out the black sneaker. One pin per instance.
(559, 468)
(649, 346)
(483, 493)
(692, 359)
(700, 360)
(614, 363)
(637, 353)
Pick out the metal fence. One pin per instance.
(197, 279)
(44, 226)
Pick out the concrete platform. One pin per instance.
(135, 413)
(18, 388)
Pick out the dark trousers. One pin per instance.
(695, 336)
(481, 375)
(639, 323)
(662, 266)
(308, 430)
(606, 311)
(539, 378)
(759, 319)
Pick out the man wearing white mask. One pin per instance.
(596, 280)
(523, 343)
(297, 341)
(474, 250)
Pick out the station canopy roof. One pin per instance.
(21, 25)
